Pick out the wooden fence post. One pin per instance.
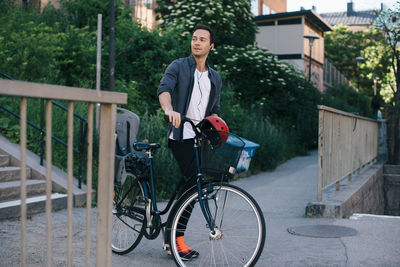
(320, 154)
(105, 184)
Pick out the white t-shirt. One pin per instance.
(198, 102)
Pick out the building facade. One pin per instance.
(272, 6)
(283, 35)
(355, 20)
(143, 10)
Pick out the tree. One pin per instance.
(34, 50)
(389, 23)
(231, 20)
(369, 44)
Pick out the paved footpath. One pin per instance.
(282, 194)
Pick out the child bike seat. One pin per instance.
(126, 129)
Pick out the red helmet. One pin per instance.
(216, 130)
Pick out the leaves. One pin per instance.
(389, 23)
(369, 44)
(35, 51)
(231, 20)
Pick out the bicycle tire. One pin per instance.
(127, 226)
(240, 232)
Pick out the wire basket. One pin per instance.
(220, 161)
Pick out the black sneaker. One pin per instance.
(189, 255)
(185, 252)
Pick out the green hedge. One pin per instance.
(345, 98)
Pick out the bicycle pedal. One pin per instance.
(166, 247)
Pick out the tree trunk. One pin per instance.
(393, 135)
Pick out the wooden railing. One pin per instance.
(346, 143)
(332, 76)
(108, 102)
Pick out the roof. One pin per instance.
(366, 17)
(309, 14)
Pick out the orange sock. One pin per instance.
(181, 245)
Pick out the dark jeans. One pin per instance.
(185, 156)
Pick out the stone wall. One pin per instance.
(364, 194)
(392, 189)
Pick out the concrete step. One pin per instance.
(392, 194)
(12, 173)
(37, 204)
(391, 169)
(12, 190)
(4, 160)
(392, 178)
(392, 212)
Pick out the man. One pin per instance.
(191, 88)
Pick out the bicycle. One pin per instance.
(226, 225)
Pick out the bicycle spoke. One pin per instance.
(234, 256)
(133, 228)
(223, 209)
(237, 240)
(200, 233)
(224, 253)
(207, 258)
(128, 225)
(236, 210)
(213, 254)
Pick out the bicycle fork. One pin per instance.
(205, 209)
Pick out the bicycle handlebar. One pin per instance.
(185, 119)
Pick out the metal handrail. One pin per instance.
(105, 165)
(37, 127)
(82, 132)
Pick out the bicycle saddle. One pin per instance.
(140, 146)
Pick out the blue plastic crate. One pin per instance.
(247, 153)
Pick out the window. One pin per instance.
(266, 23)
(289, 56)
(289, 21)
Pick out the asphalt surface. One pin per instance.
(282, 195)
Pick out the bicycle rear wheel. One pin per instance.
(128, 224)
(239, 233)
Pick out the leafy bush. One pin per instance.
(345, 98)
(9, 127)
(231, 20)
(142, 57)
(166, 170)
(275, 89)
(254, 126)
(34, 51)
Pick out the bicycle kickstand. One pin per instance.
(165, 244)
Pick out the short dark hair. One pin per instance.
(204, 27)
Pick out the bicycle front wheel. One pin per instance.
(239, 235)
(128, 223)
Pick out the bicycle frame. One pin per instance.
(203, 204)
(137, 214)
(150, 193)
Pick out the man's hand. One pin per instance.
(165, 102)
(174, 117)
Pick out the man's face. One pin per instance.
(201, 43)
